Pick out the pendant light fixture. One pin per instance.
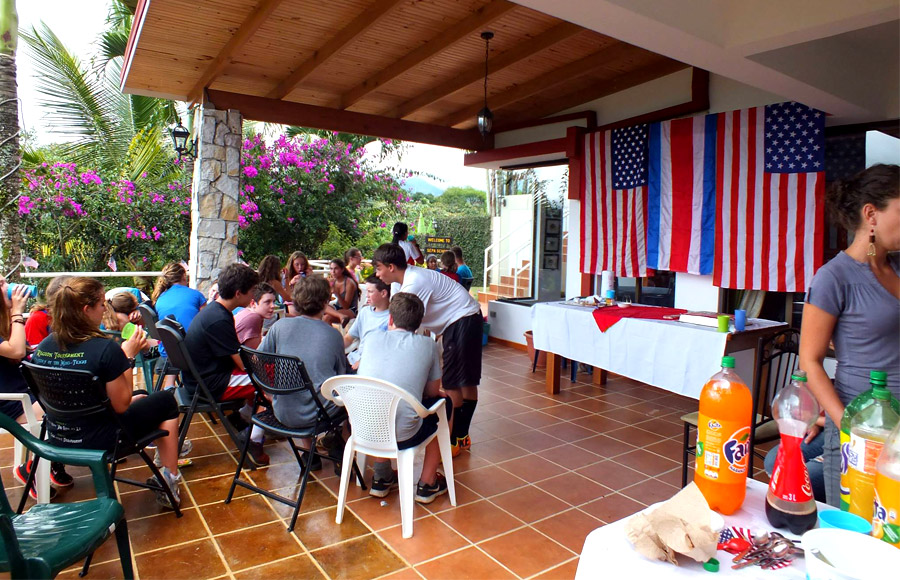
(485, 117)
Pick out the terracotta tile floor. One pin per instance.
(542, 473)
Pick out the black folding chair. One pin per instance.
(68, 394)
(280, 375)
(201, 401)
(150, 318)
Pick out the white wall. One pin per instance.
(509, 321)
(881, 148)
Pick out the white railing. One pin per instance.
(109, 274)
(487, 251)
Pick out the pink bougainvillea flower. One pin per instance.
(250, 171)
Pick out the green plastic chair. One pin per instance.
(49, 538)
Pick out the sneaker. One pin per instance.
(183, 460)
(21, 473)
(459, 445)
(172, 482)
(316, 461)
(255, 452)
(58, 475)
(382, 487)
(428, 493)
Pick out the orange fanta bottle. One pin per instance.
(723, 439)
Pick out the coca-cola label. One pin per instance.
(790, 479)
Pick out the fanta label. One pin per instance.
(722, 448)
(885, 521)
(845, 463)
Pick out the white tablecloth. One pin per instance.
(607, 553)
(674, 356)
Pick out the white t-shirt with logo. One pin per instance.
(446, 301)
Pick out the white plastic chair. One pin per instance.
(372, 407)
(42, 477)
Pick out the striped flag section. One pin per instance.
(770, 225)
(613, 222)
(681, 208)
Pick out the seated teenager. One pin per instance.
(77, 342)
(269, 271)
(213, 342)
(462, 269)
(320, 347)
(448, 265)
(249, 322)
(173, 298)
(353, 259)
(372, 317)
(37, 327)
(431, 262)
(420, 375)
(12, 351)
(346, 292)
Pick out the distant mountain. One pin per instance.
(420, 185)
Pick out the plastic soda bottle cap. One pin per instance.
(728, 362)
(878, 377)
(711, 565)
(799, 375)
(881, 393)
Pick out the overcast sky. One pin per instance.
(79, 22)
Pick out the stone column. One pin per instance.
(214, 203)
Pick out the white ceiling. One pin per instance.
(840, 56)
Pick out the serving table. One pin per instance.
(668, 354)
(607, 553)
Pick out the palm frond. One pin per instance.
(78, 104)
(112, 45)
(147, 158)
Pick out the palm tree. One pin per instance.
(10, 235)
(123, 135)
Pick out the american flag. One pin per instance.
(770, 189)
(681, 210)
(613, 222)
(111, 263)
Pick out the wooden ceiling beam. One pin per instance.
(289, 113)
(606, 88)
(344, 37)
(247, 29)
(518, 53)
(599, 60)
(440, 42)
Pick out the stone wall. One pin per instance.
(214, 204)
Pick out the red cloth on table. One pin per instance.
(609, 315)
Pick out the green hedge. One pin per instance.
(473, 235)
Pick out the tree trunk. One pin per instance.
(10, 233)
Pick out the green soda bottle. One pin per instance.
(866, 398)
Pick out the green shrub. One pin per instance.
(472, 234)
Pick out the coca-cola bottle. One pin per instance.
(789, 501)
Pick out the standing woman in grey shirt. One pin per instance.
(854, 302)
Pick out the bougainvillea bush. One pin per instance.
(293, 190)
(75, 219)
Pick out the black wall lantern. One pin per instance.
(180, 140)
(485, 117)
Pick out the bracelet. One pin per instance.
(20, 321)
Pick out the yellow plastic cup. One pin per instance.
(723, 322)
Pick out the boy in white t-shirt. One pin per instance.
(371, 317)
(450, 312)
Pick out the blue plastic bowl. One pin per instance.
(844, 521)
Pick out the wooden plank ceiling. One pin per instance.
(420, 61)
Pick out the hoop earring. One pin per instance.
(871, 251)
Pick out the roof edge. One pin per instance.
(137, 24)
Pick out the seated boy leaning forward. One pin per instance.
(321, 348)
(213, 341)
(372, 317)
(410, 361)
(451, 312)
